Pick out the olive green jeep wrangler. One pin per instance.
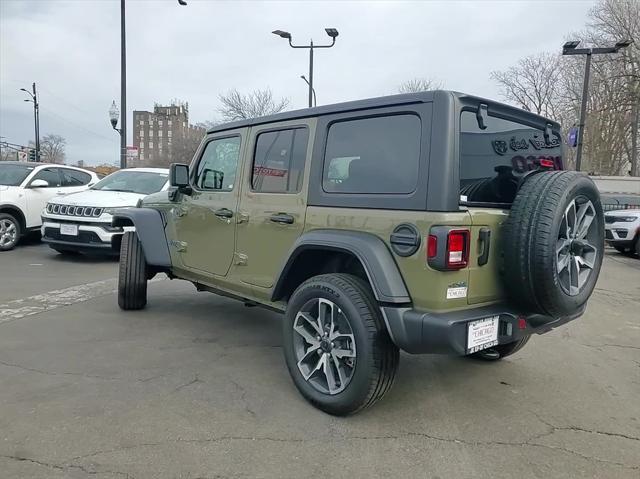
(434, 222)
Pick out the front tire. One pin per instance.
(336, 345)
(9, 231)
(132, 277)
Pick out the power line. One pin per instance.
(76, 125)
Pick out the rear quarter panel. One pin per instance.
(427, 286)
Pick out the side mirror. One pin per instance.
(39, 184)
(179, 178)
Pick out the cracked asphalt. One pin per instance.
(195, 387)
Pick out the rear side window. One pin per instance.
(278, 162)
(74, 177)
(492, 160)
(373, 155)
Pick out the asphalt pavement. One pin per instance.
(195, 386)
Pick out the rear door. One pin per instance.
(272, 208)
(493, 159)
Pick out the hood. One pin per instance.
(6, 190)
(101, 198)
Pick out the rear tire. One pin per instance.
(354, 362)
(132, 277)
(554, 243)
(501, 351)
(10, 231)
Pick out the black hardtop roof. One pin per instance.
(403, 99)
(383, 101)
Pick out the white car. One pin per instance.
(622, 230)
(81, 223)
(25, 189)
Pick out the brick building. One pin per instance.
(164, 136)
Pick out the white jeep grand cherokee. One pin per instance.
(82, 222)
(622, 230)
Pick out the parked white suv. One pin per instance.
(82, 222)
(25, 188)
(622, 230)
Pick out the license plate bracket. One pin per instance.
(482, 334)
(69, 230)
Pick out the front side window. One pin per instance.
(218, 165)
(373, 155)
(492, 160)
(279, 159)
(141, 182)
(50, 175)
(14, 175)
(75, 177)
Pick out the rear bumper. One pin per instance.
(418, 332)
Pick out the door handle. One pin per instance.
(223, 213)
(282, 218)
(485, 241)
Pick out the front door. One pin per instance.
(273, 204)
(37, 198)
(206, 219)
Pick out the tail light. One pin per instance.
(457, 255)
(448, 248)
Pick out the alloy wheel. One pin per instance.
(8, 232)
(576, 254)
(324, 346)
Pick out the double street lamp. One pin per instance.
(570, 48)
(113, 111)
(36, 117)
(332, 32)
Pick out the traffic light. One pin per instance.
(32, 155)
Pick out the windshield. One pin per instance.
(494, 158)
(14, 175)
(141, 182)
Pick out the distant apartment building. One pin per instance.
(164, 136)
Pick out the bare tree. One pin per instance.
(532, 83)
(52, 149)
(551, 85)
(236, 106)
(419, 84)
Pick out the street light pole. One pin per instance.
(332, 32)
(315, 100)
(569, 48)
(123, 87)
(36, 117)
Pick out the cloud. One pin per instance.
(194, 53)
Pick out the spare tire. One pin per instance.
(554, 243)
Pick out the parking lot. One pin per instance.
(195, 386)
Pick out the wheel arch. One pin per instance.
(324, 251)
(17, 213)
(149, 225)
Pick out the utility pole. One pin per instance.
(36, 116)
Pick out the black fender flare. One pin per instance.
(374, 255)
(149, 225)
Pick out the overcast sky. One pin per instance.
(71, 49)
